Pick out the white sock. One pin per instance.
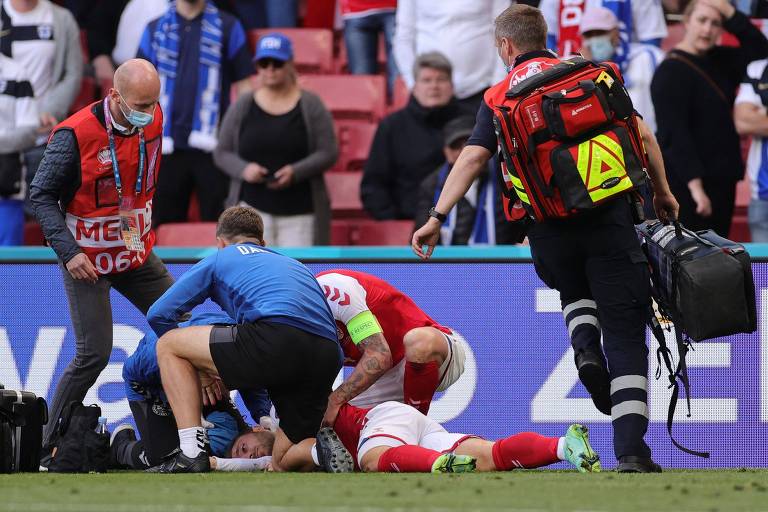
(192, 441)
(314, 455)
(561, 448)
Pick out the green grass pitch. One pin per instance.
(531, 491)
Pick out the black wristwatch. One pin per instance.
(436, 214)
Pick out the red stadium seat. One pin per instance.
(33, 234)
(191, 234)
(312, 47)
(354, 139)
(344, 193)
(739, 231)
(676, 31)
(400, 95)
(87, 94)
(361, 97)
(381, 232)
(340, 232)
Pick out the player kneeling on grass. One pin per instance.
(399, 352)
(153, 415)
(396, 438)
(284, 341)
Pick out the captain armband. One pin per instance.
(362, 326)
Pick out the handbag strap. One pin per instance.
(677, 56)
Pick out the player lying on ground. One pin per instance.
(153, 415)
(399, 352)
(396, 438)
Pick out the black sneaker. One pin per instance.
(594, 375)
(331, 454)
(632, 464)
(121, 436)
(177, 462)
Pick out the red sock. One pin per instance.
(407, 459)
(525, 450)
(419, 384)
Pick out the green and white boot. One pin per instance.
(452, 463)
(578, 451)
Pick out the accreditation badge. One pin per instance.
(129, 225)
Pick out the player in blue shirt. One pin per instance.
(153, 415)
(284, 341)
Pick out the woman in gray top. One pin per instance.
(275, 144)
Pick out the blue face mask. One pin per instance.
(135, 117)
(601, 48)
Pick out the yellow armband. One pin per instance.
(362, 326)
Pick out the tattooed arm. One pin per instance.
(376, 360)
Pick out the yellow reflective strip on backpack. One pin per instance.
(517, 184)
(601, 166)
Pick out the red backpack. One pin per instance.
(569, 139)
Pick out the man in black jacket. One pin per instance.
(408, 144)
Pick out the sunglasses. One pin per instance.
(265, 63)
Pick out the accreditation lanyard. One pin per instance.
(129, 225)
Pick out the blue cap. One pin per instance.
(274, 46)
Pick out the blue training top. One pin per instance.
(250, 283)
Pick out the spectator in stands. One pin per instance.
(478, 218)
(408, 144)
(364, 20)
(200, 52)
(276, 144)
(600, 38)
(639, 21)
(18, 130)
(461, 30)
(44, 40)
(134, 20)
(100, 22)
(267, 13)
(751, 119)
(693, 93)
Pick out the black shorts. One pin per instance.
(295, 367)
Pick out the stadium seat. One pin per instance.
(340, 232)
(312, 47)
(400, 96)
(187, 234)
(87, 94)
(676, 31)
(381, 232)
(361, 97)
(354, 139)
(33, 234)
(344, 193)
(739, 231)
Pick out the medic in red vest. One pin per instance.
(110, 215)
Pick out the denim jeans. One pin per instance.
(267, 13)
(361, 35)
(758, 220)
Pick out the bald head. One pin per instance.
(137, 85)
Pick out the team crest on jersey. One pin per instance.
(533, 68)
(44, 32)
(104, 157)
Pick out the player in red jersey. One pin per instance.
(396, 438)
(399, 352)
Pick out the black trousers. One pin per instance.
(181, 173)
(722, 195)
(596, 263)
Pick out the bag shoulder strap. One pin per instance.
(688, 62)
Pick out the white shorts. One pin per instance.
(396, 424)
(389, 387)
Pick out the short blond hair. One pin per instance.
(524, 26)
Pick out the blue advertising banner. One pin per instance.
(519, 374)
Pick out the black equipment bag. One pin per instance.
(22, 416)
(78, 448)
(702, 283)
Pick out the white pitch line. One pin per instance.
(110, 507)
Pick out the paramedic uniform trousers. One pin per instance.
(596, 263)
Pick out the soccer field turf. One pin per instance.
(269, 492)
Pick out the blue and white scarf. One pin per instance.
(484, 229)
(623, 11)
(165, 44)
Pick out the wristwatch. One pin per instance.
(436, 214)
